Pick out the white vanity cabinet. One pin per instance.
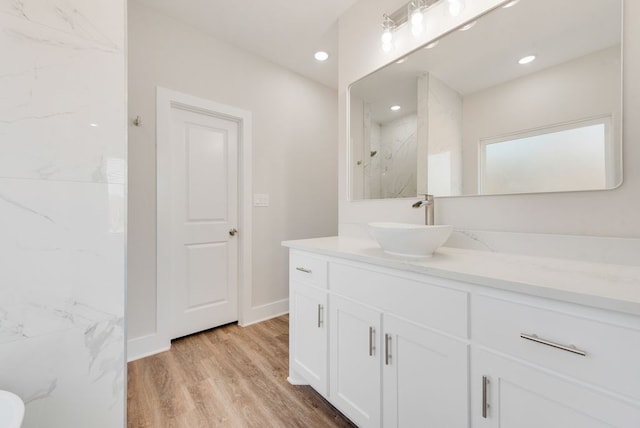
(538, 363)
(308, 329)
(398, 346)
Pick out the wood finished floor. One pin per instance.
(225, 377)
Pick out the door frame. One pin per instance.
(166, 99)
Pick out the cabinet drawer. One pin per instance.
(307, 268)
(423, 303)
(554, 339)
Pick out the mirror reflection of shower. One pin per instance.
(387, 153)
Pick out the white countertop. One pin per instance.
(606, 286)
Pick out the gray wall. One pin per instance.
(294, 151)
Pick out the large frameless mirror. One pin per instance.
(528, 99)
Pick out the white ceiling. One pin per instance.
(286, 32)
(487, 54)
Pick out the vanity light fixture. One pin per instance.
(413, 14)
(321, 56)
(395, 108)
(526, 59)
(387, 33)
(416, 16)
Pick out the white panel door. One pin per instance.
(204, 189)
(425, 377)
(355, 378)
(522, 396)
(309, 335)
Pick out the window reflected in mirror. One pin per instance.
(555, 159)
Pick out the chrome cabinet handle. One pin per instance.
(319, 315)
(485, 405)
(387, 349)
(305, 270)
(372, 334)
(568, 348)
(233, 232)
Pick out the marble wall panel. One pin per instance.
(62, 205)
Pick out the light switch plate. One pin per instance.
(261, 199)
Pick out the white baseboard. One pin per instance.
(152, 344)
(297, 381)
(145, 346)
(265, 312)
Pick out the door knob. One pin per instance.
(233, 232)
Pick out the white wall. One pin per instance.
(360, 117)
(294, 152)
(62, 187)
(598, 213)
(444, 138)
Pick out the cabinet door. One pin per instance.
(523, 396)
(425, 377)
(355, 361)
(308, 335)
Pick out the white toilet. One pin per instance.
(11, 410)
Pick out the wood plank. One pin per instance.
(229, 376)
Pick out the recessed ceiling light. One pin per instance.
(321, 56)
(511, 3)
(469, 25)
(93, 125)
(432, 45)
(526, 59)
(394, 108)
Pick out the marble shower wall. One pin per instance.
(390, 165)
(62, 205)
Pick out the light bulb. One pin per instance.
(387, 36)
(417, 17)
(387, 33)
(416, 30)
(394, 108)
(455, 7)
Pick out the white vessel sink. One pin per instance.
(11, 410)
(411, 240)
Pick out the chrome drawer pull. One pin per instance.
(320, 315)
(372, 335)
(485, 404)
(569, 348)
(305, 270)
(387, 349)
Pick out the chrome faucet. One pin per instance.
(429, 216)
